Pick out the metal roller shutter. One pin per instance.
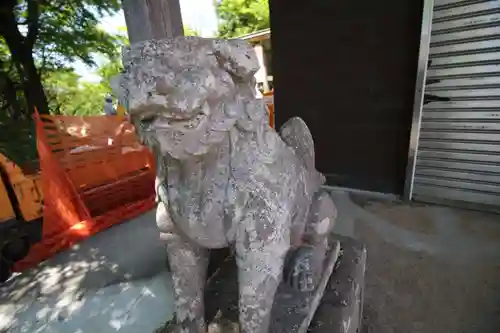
(458, 156)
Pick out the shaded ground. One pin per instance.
(113, 282)
(429, 268)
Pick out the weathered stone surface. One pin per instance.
(292, 310)
(340, 309)
(225, 178)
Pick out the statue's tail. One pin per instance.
(297, 136)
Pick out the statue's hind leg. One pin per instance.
(305, 264)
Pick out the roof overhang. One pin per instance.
(257, 36)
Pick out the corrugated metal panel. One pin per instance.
(458, 156)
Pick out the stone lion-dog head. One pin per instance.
(184, 94)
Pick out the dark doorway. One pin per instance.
(348, 69)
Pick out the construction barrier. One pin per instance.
(94, 174)
(269, 100)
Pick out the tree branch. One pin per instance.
(33, 20)
(43, 62)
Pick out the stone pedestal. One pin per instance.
(334, 307)
(341, 308)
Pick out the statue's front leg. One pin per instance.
(260, 261)
(188, 264)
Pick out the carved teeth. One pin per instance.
(185, 117)
(176, 116)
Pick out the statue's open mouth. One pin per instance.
(170, 119)
(181, 121)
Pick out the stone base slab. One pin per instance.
(334, 307)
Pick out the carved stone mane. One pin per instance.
(217, 78)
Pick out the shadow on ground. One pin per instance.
(114, 281)
(429, 268)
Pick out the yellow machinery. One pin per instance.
(21, 211)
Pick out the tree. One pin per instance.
(113, 66)
(61, 89)
(47, 34)
(107, 70)
(188, 31)
(89, 100)
(239, 17)
(10, 102)
(67, 95)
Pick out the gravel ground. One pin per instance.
(444, 290)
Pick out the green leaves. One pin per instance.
(39, 42)
(69, 30)
(45, 36)
(107, 71)
(240, 17)
(69, 96)
(188, 31)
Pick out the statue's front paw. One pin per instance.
(300, 271)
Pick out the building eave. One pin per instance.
(257, 36)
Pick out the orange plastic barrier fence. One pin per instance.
(269, 100)
(94, 174)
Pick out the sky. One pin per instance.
(197, 14)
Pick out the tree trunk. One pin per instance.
(32, 84)
(22, 55)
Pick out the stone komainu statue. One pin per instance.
(224, 176)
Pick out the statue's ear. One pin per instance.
(237, 57)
